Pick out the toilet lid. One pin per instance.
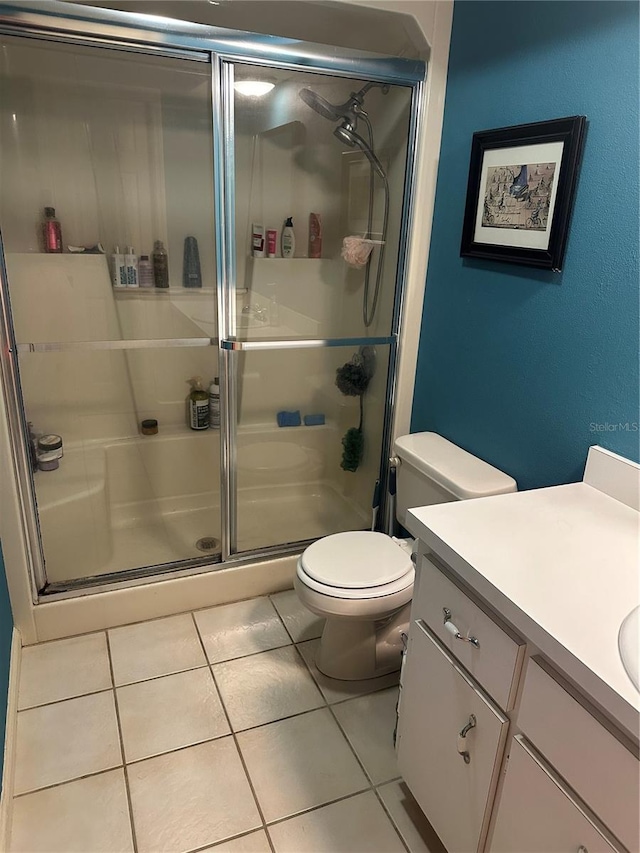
(355, 560)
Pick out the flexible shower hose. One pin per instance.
(369, 315)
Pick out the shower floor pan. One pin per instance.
(116, 509)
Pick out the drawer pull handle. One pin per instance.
(461, 738)
(582, 849)
(451, 628)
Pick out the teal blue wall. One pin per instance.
(516, 365)
(6, 629)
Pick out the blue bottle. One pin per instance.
(191, 273)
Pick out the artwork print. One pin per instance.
(518, 197)
(521, 188)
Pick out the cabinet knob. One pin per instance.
(462, 734)
(451, 628)
(582, 849)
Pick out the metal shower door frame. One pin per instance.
(53, 20)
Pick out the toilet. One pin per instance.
(361, 581)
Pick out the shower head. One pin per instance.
(346, 133)
(320, 105)
(351, 108)
(347, 114)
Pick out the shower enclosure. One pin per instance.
(134, 129)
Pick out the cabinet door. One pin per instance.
(535, 813)
(438, 701)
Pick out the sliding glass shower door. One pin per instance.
(310, 340)
(120, 145)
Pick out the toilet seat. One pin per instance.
(356, 565)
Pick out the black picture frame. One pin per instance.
(528, 218)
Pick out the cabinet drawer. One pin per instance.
(497, 660)
(535, 814)
(438, 701)
(598, 767)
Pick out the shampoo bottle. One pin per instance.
(288, 239)
(145, 272)
(119, 269)
(191, 273)
(51, 232)
(257, 240)
(315, 235)
(160, 265)
(131, 263)
(214, 404)
(198, 405)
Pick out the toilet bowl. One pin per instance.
(361, 582)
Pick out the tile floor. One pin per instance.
(207, 731)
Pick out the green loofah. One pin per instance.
(353, 379)
(352, 448)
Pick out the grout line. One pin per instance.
(280, 617)
(373, 787)
(67, 781)
(224, 841)
(321, 806)
(173, 749)
(126, 772)
(388, 814)
(65, 699)
(165, 675)
(251, 654)
(235, 741)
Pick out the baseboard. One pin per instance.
(8, 771)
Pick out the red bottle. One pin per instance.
(51, 231)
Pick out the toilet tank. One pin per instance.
(433, 470)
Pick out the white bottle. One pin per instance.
(131, 263)
(119, 269)
(214, 404)
(288, 244)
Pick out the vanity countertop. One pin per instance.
(561, 564)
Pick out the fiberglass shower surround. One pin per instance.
(348, 114)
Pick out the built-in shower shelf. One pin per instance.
(163, 292)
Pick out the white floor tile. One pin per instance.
(310, 759)
(59, 742)
(234, 630)
(406, 814)
(160, 647)
(301, 623)
(86, 816)
(170, 712)
(191, 798)
(255, 842)
(62, 669)
(369, 722)
(356, 825)
(266, 687)
(334, 690)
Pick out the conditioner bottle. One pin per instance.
(198, 405)
(288, 239)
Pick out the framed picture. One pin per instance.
(522, 181)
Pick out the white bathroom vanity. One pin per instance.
(518, 722)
